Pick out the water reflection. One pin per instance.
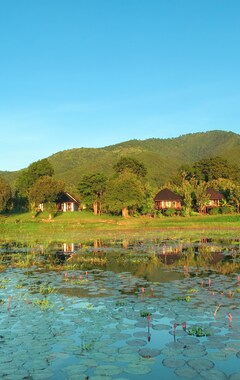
(135, 309)
(153, 260)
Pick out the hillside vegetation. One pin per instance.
(161, 157)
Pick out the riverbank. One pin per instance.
(84, 226)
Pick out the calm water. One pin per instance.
(120, 310)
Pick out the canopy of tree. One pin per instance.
(124, 192)
(46, 190)
(5, 194)
(91, 189)
(131, 165)
(34, 171)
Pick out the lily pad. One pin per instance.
(107, 370)
(186, 372)
(149, 352)
(137, 369)
(234, 376)
(136, 342)
(213, 374)
(200, 364)
(173, 362)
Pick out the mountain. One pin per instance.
(162, 157)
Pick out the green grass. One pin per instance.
(84, 226)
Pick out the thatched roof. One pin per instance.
(167, 195)
(214, 194)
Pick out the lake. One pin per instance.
(120, 310)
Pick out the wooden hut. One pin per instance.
(166, 199)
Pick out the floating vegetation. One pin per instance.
(145, 313)
(198, 331)
(44, 304)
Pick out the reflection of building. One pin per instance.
(68, 248)
(166, 199)
(170, 253)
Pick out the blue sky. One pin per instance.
(92, 73)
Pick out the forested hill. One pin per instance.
(162, 157)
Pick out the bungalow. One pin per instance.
(67, 202)
(64, 202)
(166, 199)
(215, 199)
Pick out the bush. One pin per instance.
(227, 210)
(214, 211)
(170, 212)
(194, 213)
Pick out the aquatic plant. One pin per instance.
(145, 313)
(198, 331)
(120, 303)
(42, 303)
(186, 299)
(46, 289)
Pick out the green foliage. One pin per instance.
(132, 165)
(227, 210)
(29, 176)
(46, 289)
(198, 331)
(214, 211)
(92, 188)
(170, 212)
(145, 313)
(125, 191)
(200, 196)
(44, 304)
(46, 190)
(5, 194)
(212, 168)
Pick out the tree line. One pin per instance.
(127, 191)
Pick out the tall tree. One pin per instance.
(186, 190)
(46, 190)
(91, 189)
(124, 192)
(5, 194)
(29, 176)
(200, 196)
(131, 165)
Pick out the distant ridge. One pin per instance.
(162, 157)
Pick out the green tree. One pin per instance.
(5, 194)
(212, 168)
(184, 173)
(200, 195)
(91, 189)
(124, 192)
(46, 190)
(130, 165)
(186, 190)
(234, 197)
(29, 176)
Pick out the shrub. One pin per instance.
(170, 212)
(227, 210)
(214, 211)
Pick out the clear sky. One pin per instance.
(92, 73)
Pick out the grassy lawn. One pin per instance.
(84, 226)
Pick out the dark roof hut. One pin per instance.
(167, 199)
